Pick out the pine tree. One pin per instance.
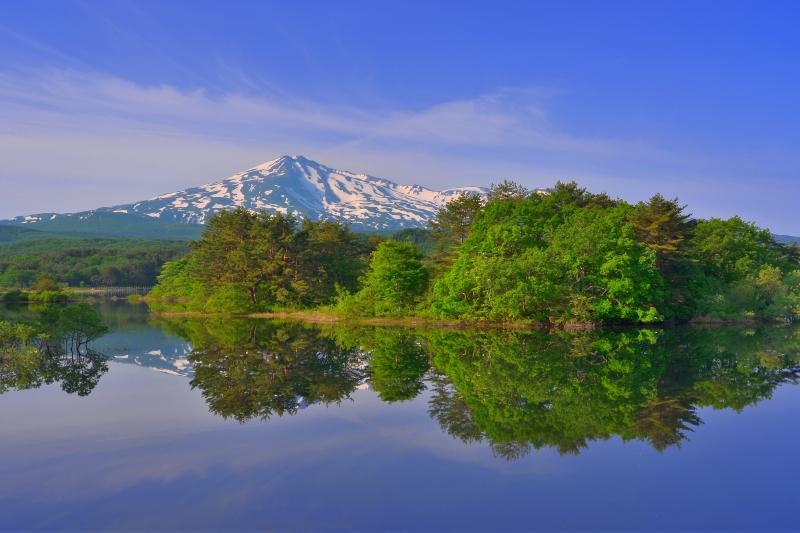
(451, 225)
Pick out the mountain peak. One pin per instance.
(296, 185)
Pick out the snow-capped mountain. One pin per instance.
(288, 184)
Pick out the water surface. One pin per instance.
(246, 424)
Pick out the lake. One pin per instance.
(184, 423)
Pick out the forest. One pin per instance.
(87, 262)
(561, 257)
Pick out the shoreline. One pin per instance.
(327, 318)
(323, 317)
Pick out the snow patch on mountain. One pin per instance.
(299, 186)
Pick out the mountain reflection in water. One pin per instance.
(516, 391)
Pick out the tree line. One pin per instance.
(247, 261)
(93, 262)
(561, 256)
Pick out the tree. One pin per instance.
(451, 225)
(394, 283)
(609, 275)
(744, 272)
(331, 258)
(46, 283)
(662, 225)
(248, 261)
(548, 259)
(248, 252)
(507, 190)
(397, 363)
(177, 287)
(257, 369)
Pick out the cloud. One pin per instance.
(84, 139)
(78, 132)
(70, 101)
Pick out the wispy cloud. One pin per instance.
(87, 139)
(70, 124)
(70, 100)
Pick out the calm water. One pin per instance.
(240, 424)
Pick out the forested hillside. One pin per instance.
(83, 261)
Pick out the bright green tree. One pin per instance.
(394, 283)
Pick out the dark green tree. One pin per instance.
(452, 223)
(507, 190)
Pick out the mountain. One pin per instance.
(288, 184)
(787, 239)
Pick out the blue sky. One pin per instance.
(110, 102)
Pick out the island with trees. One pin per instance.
(561, 257)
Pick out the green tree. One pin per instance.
(452, 223)
(331, 259)
(558, 257)
(662, 226)
(248, 261)
(745, 273)
(46, 283)
(249, 252)
(507, 190)
(393, 284)
(53, 347)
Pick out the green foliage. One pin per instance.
(422, 238)
(258, 369)
(523, 390)
(176, 289)
(248, 261)
(531, 258)
(507, 190)
(14, 336)
(572, 256)
(564, 256)
(514, 390)
(452, 224)
(15, 296)
(450, 228)
(393, 285)
(85, 262)
(331, 259)
(744, 272)
(51, 344)
(48, 297)
(398, 363)
(46, 283)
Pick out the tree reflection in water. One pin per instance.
(565, 390)
(516, 391)
(50, 344)
(257, 369)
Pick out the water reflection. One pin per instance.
(517, 391)
(257, 369)
(51, 344)
(522, 391)
(514, 391)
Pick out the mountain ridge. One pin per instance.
(287, 184)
